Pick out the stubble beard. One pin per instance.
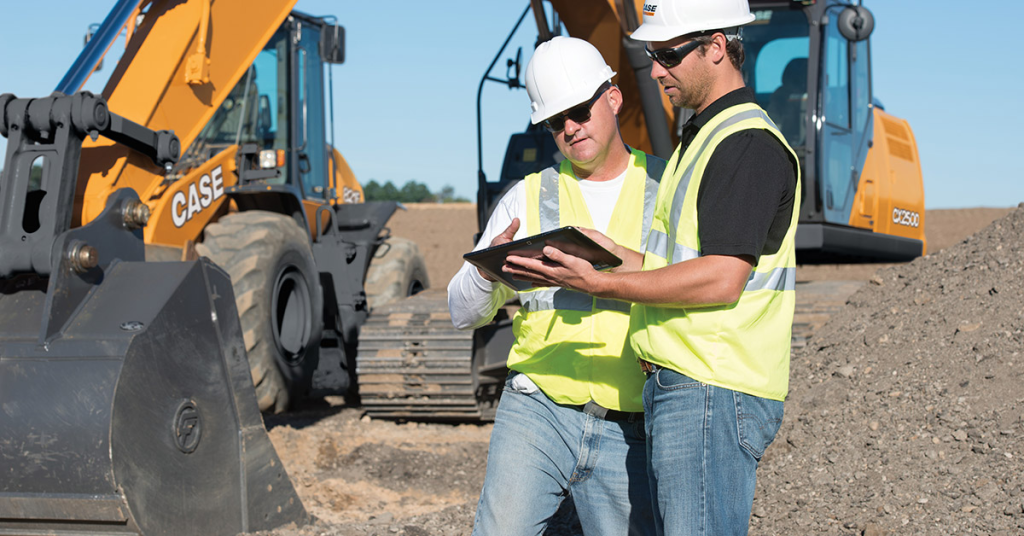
(694, 91)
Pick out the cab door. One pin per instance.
(310, 146)
(837, 179)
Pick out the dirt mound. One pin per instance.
(442, 231)
(906, 411)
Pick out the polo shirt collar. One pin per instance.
(743, 95)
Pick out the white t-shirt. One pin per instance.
(473, 300)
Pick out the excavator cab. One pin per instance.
(809, 64)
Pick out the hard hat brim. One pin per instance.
(654, 32)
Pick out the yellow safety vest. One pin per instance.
(743, 346)
(572, 345)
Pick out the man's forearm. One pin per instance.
(702, 282)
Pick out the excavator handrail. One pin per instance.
(481, 178)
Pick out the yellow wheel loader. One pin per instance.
(127, 358)
(259, 189)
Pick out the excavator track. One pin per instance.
(413, 364)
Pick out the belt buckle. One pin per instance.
(595, 409)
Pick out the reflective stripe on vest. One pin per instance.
(545, 299)
(743, 346)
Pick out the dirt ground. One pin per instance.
(364, 477)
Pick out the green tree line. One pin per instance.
(410, 192)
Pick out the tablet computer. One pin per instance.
(568, 239)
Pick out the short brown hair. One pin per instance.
(733, 47)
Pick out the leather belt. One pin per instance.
(648, 368)
(601, 412)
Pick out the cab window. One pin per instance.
(776, 46)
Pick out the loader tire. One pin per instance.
(279, 299)
(396, 271)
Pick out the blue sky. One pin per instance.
(405, 100)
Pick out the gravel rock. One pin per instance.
(915, 380)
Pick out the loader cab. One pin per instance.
(278, 111)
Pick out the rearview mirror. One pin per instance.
(856, 23)
(332, 44)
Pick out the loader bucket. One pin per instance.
(126, 401)
(140, 417)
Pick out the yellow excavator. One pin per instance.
(809, 64)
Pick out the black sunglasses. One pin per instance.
(670, 57)
(579, 114)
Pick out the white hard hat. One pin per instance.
(668, 19)
(562, 73)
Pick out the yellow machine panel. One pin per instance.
(154, 86)
(890, 196)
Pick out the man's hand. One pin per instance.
(556, 269)
(503, 238)
(632, 261)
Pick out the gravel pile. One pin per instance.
(906, 410)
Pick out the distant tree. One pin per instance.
(389, 193)
(447, 195)
(35, 177)
(415, 192)
(372, 191)
(411, 192)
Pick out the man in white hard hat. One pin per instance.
(714, 292)
(570, 420)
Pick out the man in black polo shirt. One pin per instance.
(714, 292)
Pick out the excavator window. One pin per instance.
(777, 44)
(860, 88)
(836, 80)
(837, 172)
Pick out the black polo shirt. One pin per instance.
(745, 200)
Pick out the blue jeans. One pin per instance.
(541, 451)
(703, 446)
